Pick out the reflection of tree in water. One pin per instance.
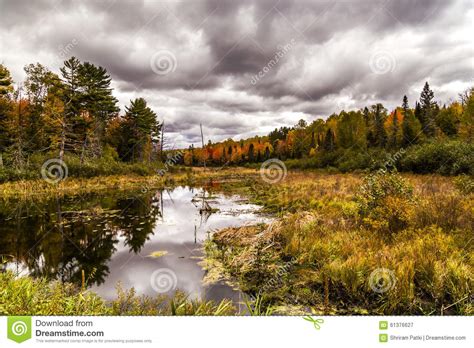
(60, 238)
(138, 219)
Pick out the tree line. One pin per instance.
(371, 128)
(73, 113)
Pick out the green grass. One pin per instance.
(72, 186)
(27, 296)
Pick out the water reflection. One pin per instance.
(111, 237)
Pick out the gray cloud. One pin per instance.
(219, 48)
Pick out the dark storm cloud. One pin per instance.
(242, 66)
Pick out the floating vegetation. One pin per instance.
(159, 253)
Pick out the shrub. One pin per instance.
(385, 201)
(444, 157)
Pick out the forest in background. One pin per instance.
(423, 139)
(73, 116)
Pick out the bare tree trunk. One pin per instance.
(63, 142)
(202, 140)
(19, 160)
(162, 140)
(84, 145)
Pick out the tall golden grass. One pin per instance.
(324, 231)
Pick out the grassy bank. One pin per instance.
(339, 237)
(37, 188)
(27, 296)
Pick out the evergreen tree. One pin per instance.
(410, 126)
(405, 105)
(428, 110)
(97, 100)
(329, 140)
(140, 130)
(74, 125)
(251, 153)
(72, 95)
(418, 112)
(267, 153)
(380, 135)
(6, 106)
(366, 116)
(6, 82)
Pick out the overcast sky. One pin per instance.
(244, 67)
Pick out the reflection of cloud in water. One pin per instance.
(176, 233)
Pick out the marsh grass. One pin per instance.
(323, 229)
(27, 296)
(74, 186)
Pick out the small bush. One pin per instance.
(386, 202)
(442, 157)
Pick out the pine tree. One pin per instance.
(251, 153)
(411, 126)
(418, 111)
(97, 100)
(74, 126)
(428, 110)
(405, 106)
(140, 131)
(380, 134)
(366, 116)
(72, 95)
(6, 82)
(329, 140)
(267, 153)
(5, 108)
